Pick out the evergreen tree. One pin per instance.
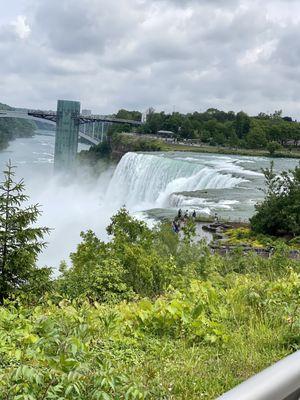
(20, 240)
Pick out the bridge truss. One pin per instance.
(70, 124)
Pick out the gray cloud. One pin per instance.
(190, 54)
(185, 3)
(85, 26)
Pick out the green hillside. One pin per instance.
(11, 128)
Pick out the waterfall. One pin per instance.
(147, 181)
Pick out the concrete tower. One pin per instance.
(66, 139)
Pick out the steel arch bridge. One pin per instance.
(70, 125)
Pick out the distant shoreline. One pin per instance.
(229, 151)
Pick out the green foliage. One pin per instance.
(272, 147)
(11, 128)
(256, 138)
(196, 341)
(130, 115)
(94, 274)
(20, 240)
(127, 266)
(279, 213)
(193, 314)
(55, 352)
(239, 236)
(149, 315)
(217, 127)
(227, 130)
(96, 155)
(101, 149)
(119, 144)
(136, 262)
(242, 124)
(189, 230)
(123, 143)
(124, 114)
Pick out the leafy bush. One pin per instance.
(134, 143)
(194, 314)
(128, 265)
(279, 213)
(272, 147)
(54, 352)
(230, 325)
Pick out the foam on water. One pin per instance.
(144, 180)
(141, 181)
(198, 203)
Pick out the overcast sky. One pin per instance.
(168, 54)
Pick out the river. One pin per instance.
(151, 185)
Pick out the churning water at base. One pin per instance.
(146, 180)
(153, 184)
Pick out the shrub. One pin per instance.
(272, 147)
(279, 213)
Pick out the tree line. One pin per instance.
(216, 127)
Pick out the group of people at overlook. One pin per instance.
(181, 219)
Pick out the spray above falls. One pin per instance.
(144, 180)
(141, 181)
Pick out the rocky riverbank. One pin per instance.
(223, 244)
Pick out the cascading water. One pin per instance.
(143, 181)
(154, 184)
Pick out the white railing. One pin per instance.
(281, 381)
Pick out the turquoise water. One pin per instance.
(150, 185)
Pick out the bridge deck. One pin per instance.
(51, 118)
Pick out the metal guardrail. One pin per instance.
(281, 381)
